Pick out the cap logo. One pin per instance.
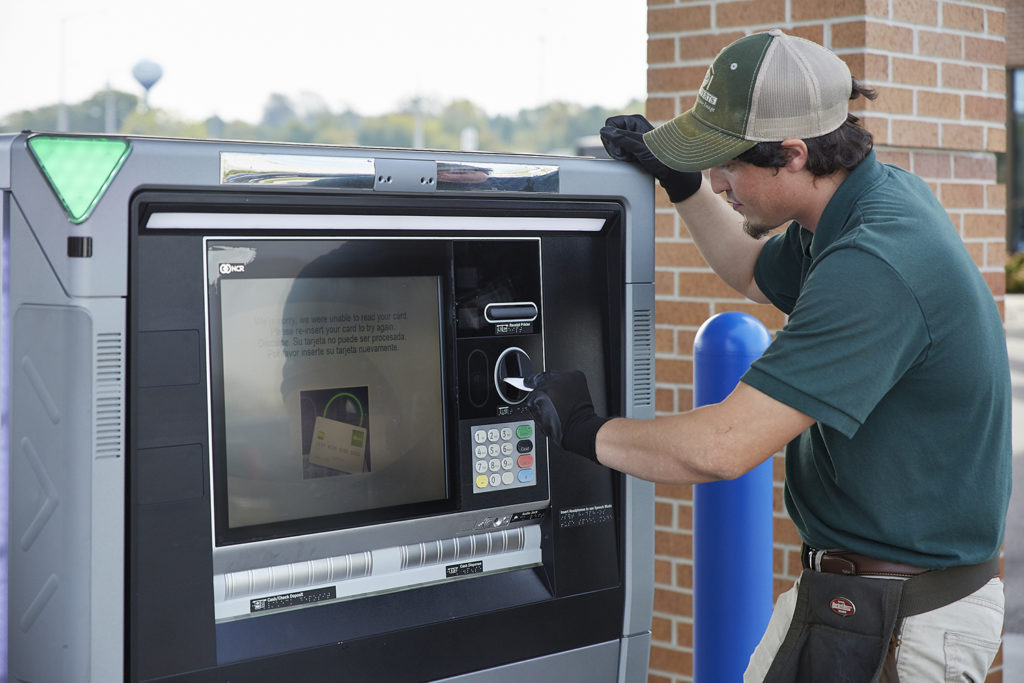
(709, 100)
(842, 606)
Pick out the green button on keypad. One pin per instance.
(524, 431)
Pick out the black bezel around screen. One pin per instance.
(371, 263)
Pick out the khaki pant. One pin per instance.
(953, 643)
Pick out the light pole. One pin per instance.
(62, 54)
(62, 107)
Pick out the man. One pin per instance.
(888, 387)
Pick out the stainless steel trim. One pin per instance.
(296, 170)
(457, 176)
(341, 172)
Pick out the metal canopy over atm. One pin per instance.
(259, 427)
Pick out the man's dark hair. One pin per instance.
(842, 149)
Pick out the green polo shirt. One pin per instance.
(895, 345)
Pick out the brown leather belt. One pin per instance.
(923, 590)
(855, 564)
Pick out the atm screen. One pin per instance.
(329, 390)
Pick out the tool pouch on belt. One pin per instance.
(841, 630)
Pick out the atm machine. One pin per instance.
(259, 427)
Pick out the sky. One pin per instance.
(224, 57)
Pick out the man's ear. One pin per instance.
(796, 154)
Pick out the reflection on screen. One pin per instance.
(332, 395)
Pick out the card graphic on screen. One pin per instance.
(335, 431)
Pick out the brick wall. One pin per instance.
(938, 67)
(1014, 33)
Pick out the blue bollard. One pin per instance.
(732, 520)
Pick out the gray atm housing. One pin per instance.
(119, 548)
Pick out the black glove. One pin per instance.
(561, 405)
(622, 137)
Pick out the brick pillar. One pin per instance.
(938, 68)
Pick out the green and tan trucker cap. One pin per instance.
(765, 87)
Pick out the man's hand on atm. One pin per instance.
(561, 405)
(623, 139)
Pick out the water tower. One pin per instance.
(147, 73)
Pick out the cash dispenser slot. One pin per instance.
(266, 590)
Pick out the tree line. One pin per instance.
(554, 128)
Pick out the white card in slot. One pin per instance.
(519, 383)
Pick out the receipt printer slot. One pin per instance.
(520, 312)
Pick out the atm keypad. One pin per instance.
(503, 456)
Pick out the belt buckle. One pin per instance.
(838, 564)
(814, 558)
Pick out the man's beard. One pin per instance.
(756, 231)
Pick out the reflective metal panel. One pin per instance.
(361, 173)
(293, 169)
(463, 176)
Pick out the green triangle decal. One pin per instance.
(79, 169)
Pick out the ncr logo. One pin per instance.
(229, 268)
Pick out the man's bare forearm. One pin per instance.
(718, 232)
(719, 441)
